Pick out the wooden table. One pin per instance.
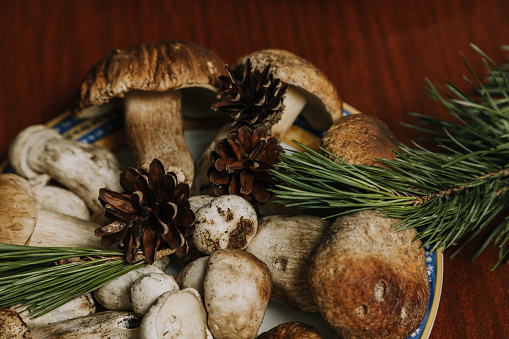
(376, 52)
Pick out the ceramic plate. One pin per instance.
(107, 131)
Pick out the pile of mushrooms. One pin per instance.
(240, 256)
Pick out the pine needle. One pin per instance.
(40, 279)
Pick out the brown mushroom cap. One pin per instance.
(369, 280)
(291, 330)
(18, 214)
(12, 326)
(324, 104)
(360, 139)
(158, 67)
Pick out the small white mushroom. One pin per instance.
(228, 221)
(237, 289)
(109, 324)
(147, 288)
(193, 274)
(176, 315)
(115, 295)
(79, 307)
(81, 167)
(286, 245)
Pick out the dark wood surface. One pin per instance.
(378, 54)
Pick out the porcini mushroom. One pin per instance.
(193, 274)
(81, 167)
(147, 288)
(368, 280)
(291, 330)
(116, 295)
(228, 221)
(310, 93)
(108, 324)
(237, 289)
(286, 245)
(149, 78)
(12, 326)
(60, 200)
(176, 315)
(78, 307)
(17, 210)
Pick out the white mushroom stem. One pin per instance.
(293, 102)
(109, 324)
(155, 129)
(61, 200)
(78, 307)
(81, 167)
(60, 230)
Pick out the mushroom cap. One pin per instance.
(146, 289)
(291, 330)
(12, 326)
(360, 139)
(175, 315)
(369, 280)
(18, 214)
(158, 67)
(324, 104)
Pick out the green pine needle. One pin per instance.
(448, 196)
(40, 279)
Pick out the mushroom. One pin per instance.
(368, 280)
(147, 288)
(12, 326)
(286, 245)
(228, 221)
(17, 210)
(193, 275)
(291, 330)
(116, 295)
(310, 93)
(23, 224)
(108, 324)
(237, 289)
(55, 229)
(360, 139)
(83, 168)
(149, 78)
(176, 315)
(61, 200)
(78, 307)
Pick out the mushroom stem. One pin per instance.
(83, 168)
(293, 102)
(60, 230)
(155, 129)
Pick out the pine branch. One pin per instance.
(448, 195)
(40, 279)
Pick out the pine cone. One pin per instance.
(251, 103)
(153, 212)
(240, 164)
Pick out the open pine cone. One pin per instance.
(253, 103)
(240, 164)
(153, 213)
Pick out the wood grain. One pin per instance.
(378, 54)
